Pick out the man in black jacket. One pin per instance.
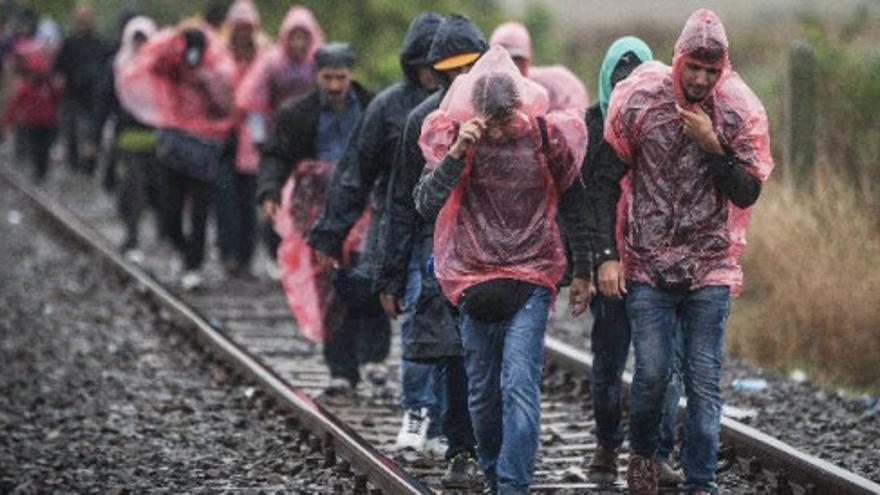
(456, 46)
(79, 62)
(361, 178)
(318, 128)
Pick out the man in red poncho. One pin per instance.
(499, 166)
(693, 144)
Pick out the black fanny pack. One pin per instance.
(496, 300)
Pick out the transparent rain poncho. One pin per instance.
(499, 221)
(158, 89)
(309, 289)
(672, 225)
(564, 89)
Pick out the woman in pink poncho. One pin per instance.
(181, 83)
(499, 167)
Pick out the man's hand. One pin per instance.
(579, 294)
(325, 261)
(698, 126)
(612, 279)
(391, 304)
(270, 208)
(468, 134)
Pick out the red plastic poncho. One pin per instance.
(673, 227)
(565, 90)
(159, 90)
(499, 221)
(310, 292)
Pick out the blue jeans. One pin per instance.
(422, 382)
(610, 341)
(504, 363)
(700, 316)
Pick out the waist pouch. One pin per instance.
(137, 141)
(356, 290)
(190, 155)
(496, 300)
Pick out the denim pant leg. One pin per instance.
(653, 319)
(247, 200)
(201, 195)
(483, 347)
(521, 370)
(669, 416)
(225, 206)
(704, 317)
(609, 342)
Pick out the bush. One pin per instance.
(812, 297)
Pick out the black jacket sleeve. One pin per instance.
(434, 188)
(733, 180)
(574, 217)
(352, 183)
(602, 194)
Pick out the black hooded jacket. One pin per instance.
(293, 140)
(365, 168)
(435, 332)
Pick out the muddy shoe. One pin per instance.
(641, 475)
(667, 476)
(462, 472)
(603, 466)
(339, 388)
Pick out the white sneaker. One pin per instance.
(413, 432)
(273, 271)
(136, 256)
(436, 447)
(191, 280)
(376, 373)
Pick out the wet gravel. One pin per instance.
(99, 393)
(825, 423)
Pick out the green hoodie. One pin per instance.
(617, 50)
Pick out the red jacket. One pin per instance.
(33, 104)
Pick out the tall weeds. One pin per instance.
(812, 267)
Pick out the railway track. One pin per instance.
(248, 325)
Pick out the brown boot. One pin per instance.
(642, 475)
(603, 466)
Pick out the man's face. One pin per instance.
(426, 77)
(697, 79)
(500, 130)
(451, 74)
(298, 44)
(334, 82)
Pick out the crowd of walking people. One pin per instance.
(460, 200)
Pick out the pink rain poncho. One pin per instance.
(158, 89)
(499, 221)
(565, 90)
(513, 37)
(673, 228)
(247, 157)
(309, 289)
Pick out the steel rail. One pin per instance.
(810, 473)
(383, 472)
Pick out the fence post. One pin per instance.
(800, 150)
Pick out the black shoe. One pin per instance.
(603, 467)
(462, 472)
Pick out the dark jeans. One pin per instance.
(39, 142)
(364, 333)
(656, 316)
(610, 341)
(457, 426)
(235, 204)
(176, 188)
(76, 123)
(138, 172)
(505, 363)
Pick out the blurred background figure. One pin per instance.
(78, 66)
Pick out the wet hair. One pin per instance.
(495, 96)
(335, 55)
(711, 53)
(214, 14)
